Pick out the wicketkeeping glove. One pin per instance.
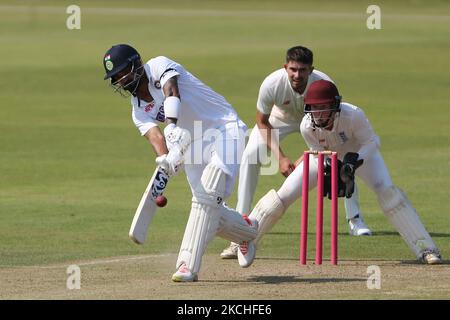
(347, 172)
(327, 180)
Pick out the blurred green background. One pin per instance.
(73, 166)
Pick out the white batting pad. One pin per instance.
(234, 227)
(404, 218)
(267, 212)
(204, 217)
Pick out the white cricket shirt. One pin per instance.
(276, 96)
(198, 101)
(351, 132)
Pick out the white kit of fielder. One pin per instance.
(352, 132)
(285, 106)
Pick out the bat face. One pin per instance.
(147, 207)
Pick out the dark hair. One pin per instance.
(300, 54)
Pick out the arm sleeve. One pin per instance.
(142, 121)
(162, 69)
(265, 99)
(365, 135)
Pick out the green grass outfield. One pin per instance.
(73, 166)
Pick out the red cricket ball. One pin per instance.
(161, 201)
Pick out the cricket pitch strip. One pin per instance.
(149, 277)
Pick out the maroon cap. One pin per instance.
(322, 92)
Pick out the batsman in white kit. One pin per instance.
(203, 135)
(280, 111)
(333, 125)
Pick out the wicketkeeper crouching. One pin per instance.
(338, 126)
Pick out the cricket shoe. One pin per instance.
(184, 275)
(246, 253)
(357, 227)
(247, 249)
(231, 252)
(431, 257)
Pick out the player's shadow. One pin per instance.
(294, 279)
(283, 279)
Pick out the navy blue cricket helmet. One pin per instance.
(118, 57)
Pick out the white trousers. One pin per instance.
(223, 148)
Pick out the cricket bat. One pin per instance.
(147, 207)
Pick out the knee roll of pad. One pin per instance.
(211, 190)
(233, 227)
(391, 199)
(267, 212)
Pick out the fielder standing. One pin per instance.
(203, 134)
(280, 110)
(333, 125)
